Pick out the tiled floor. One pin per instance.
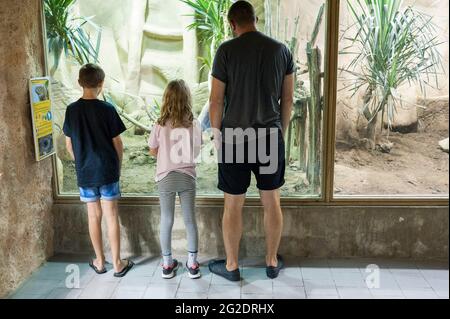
(303, 278)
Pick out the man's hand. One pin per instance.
(287, 101)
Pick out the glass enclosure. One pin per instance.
(392, 120)
(143, 44)
(392, 110)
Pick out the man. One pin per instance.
(252, 92)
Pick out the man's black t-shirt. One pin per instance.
(92, 125)
(253, 67)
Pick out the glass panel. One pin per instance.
(392, 110)
(143, 44)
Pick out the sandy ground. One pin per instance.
(415, 166)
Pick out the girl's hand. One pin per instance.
(154, 152)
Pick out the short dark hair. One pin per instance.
(242, 13)
(91, 76)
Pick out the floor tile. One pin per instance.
(200, 285)
(316, 273)
(98, 290)
(191, 295)
(426, 293)
(302, 278)
(224, 292)
(134, 283)
(325, 288)
(349, 279)
(155, 291)
(383, 293)
(257, 296)
(64, 293)
(39, 286)
(217, 280)
(289, 277)
(354, 293)
(289, 292)
(128, 294)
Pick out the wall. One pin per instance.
(390, 232)
(25, 186)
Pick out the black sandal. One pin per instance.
(99, 272)
(125, 270)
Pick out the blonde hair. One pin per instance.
(176, 108)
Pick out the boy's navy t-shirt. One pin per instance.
(92, 125)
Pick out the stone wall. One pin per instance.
(25, 186)
(388, 232)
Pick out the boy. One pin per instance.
(92, 129)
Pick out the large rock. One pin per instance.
(444, 145)
(406, 119)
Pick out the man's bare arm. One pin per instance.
(216, 107)
(287, 101)
(69, 147)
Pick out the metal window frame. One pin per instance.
(327, 197)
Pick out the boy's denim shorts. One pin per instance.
(108, 192)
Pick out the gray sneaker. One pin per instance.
(170, 272)
(194, 272)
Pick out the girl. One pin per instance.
(175, 141)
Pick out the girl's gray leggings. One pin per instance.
(183, 185)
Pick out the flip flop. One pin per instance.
(99, 272)
(125, 270)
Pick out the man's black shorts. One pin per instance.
(235, 174)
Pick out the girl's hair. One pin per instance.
(176, 108)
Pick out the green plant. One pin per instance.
(391, 46)
(210, 21)
(68, 34)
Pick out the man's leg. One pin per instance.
(95, 232)
(111, 211)
(273, 224)
(232, 228)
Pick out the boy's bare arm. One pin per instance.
(69, 147)
(118, 145)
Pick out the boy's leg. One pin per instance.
(95, 232)
(167, 204)
(232, 228)
(187, 199)
(111, 211)
(273, 224)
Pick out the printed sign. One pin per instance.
(41, 112)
